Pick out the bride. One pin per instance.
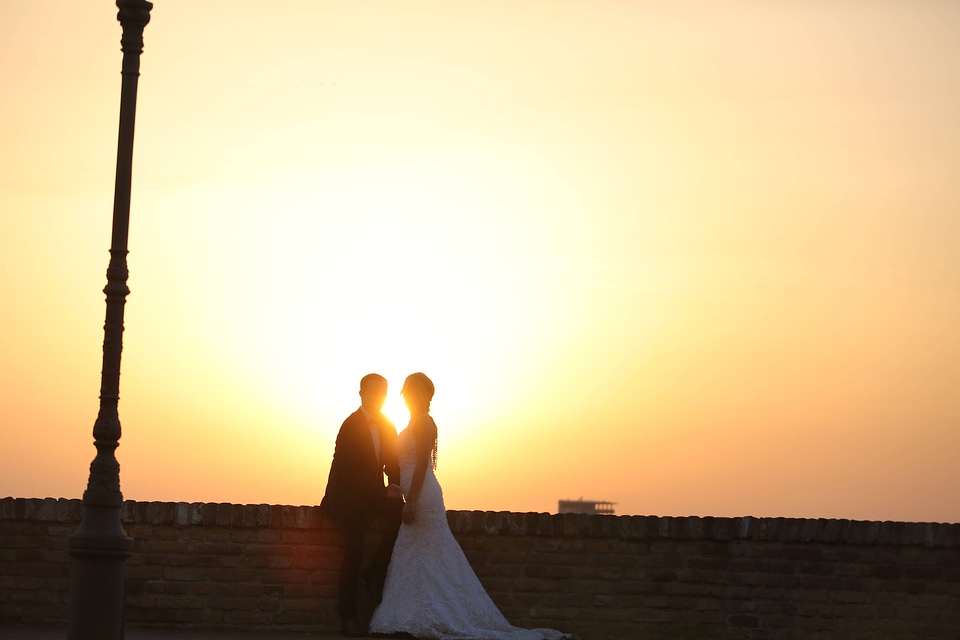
(431, 592)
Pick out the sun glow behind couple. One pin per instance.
(642, 253)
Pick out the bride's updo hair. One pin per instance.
(421, 385)
(418, 384)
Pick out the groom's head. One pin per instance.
(373, 392)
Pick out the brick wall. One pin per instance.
(268, 566)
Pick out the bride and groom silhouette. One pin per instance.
(418, 574)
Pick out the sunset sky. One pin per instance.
(693, 258)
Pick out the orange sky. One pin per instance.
(693, 258)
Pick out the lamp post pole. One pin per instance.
(100, 546)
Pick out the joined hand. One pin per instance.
(393, 492)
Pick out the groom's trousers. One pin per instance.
(353, 525)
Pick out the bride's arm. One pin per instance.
(425, 431)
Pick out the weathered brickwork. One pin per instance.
(270, 566)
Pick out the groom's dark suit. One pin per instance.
(356, 494)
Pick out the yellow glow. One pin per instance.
(698, 258)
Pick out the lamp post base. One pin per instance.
(99, 549)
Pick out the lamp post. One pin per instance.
(100, 547)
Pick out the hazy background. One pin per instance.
(689, 257)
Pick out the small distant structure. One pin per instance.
(586, 506)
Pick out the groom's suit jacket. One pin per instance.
(356, 474)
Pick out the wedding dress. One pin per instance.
(431, 592)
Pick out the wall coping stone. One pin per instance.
(494, 523)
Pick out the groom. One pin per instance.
(366, 447)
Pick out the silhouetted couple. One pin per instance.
(418, 574)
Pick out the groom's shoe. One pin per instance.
(352, 628)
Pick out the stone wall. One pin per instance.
(268, 566)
